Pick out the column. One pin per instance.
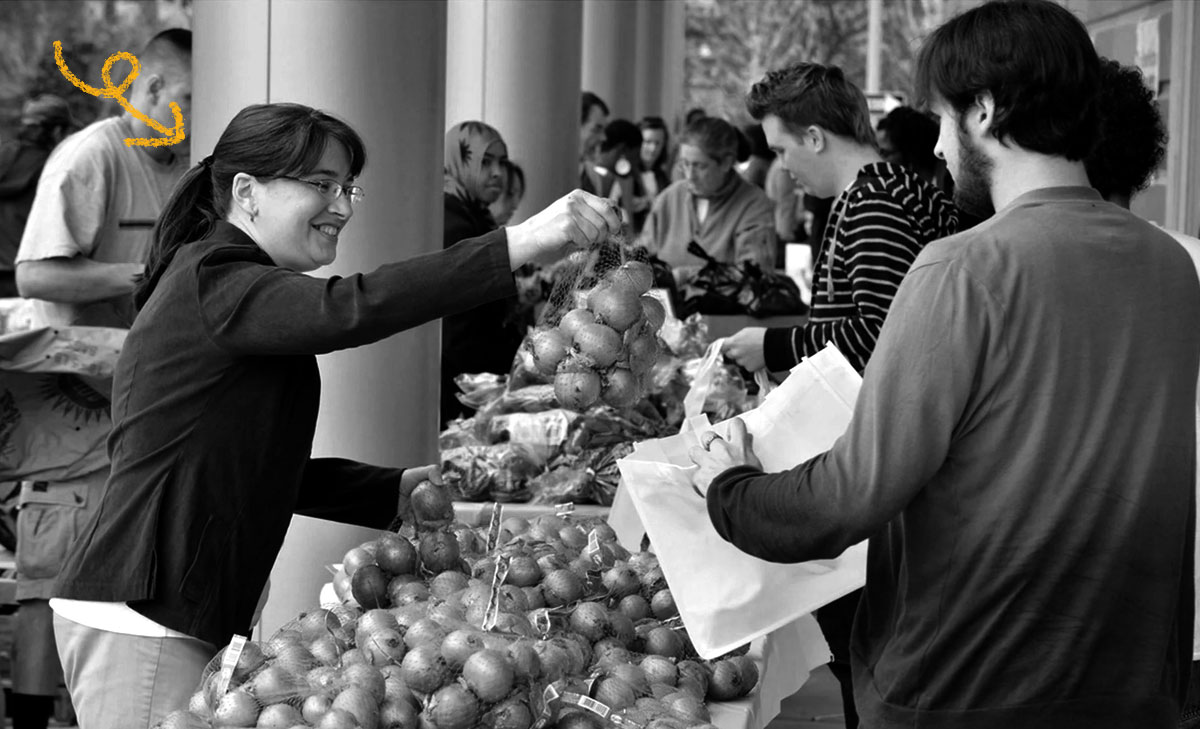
(1183, 122)
(658, 68)
(380, 66)
(223, 82)
(674, 49)
(515, 64)
(609, 67)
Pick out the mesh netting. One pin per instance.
(597, 337)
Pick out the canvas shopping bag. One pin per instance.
(55, 387)
(726, 597)
(623, 516)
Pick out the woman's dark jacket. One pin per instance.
(484, 339)
(215, 402)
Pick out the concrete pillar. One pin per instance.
(379, 65)
(515, 64)
(658, 76)
(674, 50)
(609, 62)
(1183, 123)
(874, 44)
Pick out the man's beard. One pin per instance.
(973, 183)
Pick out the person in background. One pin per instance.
(788, 199)
(754, 169)
(45, 121)
(593, 115)
(652, 158)
(713, 206)
(217, 392)
(653, 164)
(907, 137)
(89, 227)
(510, 198)
(480, 339)
(677, 172)
(83, 247)
(616, 165)
(1022, 453)
(1132, 146)
(883, 215)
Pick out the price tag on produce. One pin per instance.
(550, 696)
(229, 662)
(494, 527)
(564, 509)
(541, 622)
(593, 547)
(587, 703)
(493, 606)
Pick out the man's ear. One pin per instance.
(816, 138)
(154, 87)
(243, 191)
(983, 112)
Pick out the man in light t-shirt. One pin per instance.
(83, 247)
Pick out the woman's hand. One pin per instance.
(409, 480)
(746, 348)
(578, 219)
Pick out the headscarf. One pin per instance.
(466, 144)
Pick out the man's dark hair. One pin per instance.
(621, 133)
(587, 101)
(757, 140)
(1036, 60)
(168, 44)
(913, 134)
(808, 94)
(1132, 140)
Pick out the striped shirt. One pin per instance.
(876, 228)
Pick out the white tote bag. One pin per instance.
(725, 596)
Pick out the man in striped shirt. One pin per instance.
(882, 217)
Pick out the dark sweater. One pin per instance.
(1022, 457)
(215, 402)
(484, 338)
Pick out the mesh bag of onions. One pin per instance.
(597, 338)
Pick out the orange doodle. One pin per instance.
(173, 136)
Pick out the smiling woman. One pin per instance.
(215, 400)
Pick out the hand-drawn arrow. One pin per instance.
(174, 136)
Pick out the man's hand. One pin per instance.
(409, 480)
(746, 348)
(715, 455)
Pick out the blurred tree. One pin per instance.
(90, 31)
(733, 43)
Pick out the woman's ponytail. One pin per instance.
(188, 216)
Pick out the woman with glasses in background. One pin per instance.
(732, 220)
(215, 400)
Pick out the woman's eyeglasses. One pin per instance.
(329, 189)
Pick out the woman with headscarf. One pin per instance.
(483, 339)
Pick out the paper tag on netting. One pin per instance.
(597, 337)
